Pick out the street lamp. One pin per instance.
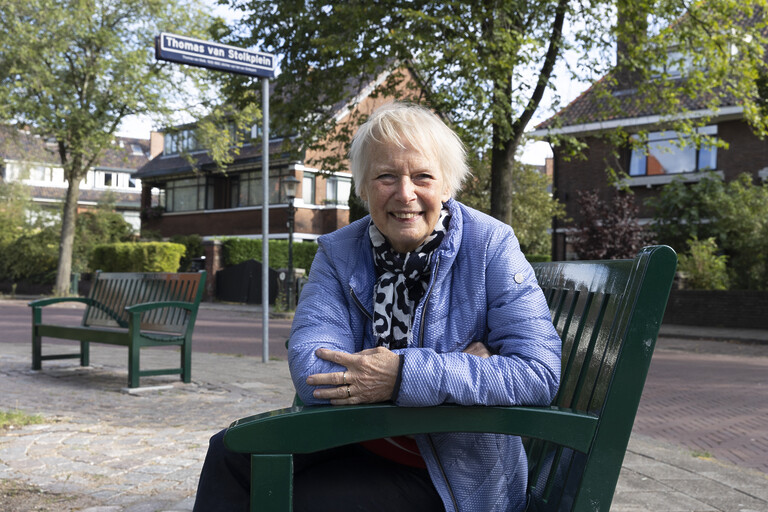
(289, 184)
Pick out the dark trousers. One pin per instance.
(347, 478)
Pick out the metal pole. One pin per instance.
(265, 221)
(291, 213)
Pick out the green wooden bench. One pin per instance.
(608, 314)
(134, 310)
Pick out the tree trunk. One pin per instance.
(68, 220)
(501, 181)
(503, 152)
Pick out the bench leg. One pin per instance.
(85, 353)
(186, 361)
(271, 483)
(37, 350)
(37, 341)
(133, 364)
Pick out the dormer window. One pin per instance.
(180, 141)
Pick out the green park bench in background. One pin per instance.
(134, 310)
(608, 314)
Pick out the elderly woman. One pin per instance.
(424, 302)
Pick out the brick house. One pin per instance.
(661, 162)
(213, 203)
(32, 160)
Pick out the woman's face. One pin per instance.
(405, 191)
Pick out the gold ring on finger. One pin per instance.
(349, 395)
(344, 378)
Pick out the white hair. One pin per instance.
(415, 126)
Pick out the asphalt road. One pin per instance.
(223, 329)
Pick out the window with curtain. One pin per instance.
(667, 153)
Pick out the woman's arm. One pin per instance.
(524, 367)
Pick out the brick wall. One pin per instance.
(731, 308)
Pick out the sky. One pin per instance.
(534, 153)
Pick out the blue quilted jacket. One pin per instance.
(481, 289)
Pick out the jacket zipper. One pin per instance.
(360, 304)
(429, 436)
(426, 301)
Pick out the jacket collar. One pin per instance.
(363, 277)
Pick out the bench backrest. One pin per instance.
(608, 315)
(112, 292)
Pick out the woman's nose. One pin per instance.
(406, 190)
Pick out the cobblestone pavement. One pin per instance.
(130, 452)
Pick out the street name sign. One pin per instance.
(195, 52)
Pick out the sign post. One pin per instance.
(221, 57)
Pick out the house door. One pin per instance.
(226, 192)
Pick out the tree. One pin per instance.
(16, 212)
(533, 206)
(609, 230)
(486, 66)
(72, 70)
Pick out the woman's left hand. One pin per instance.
(370, 376)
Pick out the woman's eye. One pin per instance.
(385, 178)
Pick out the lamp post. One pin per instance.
(289, 185)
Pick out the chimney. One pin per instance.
(631, 30)
(156, 143)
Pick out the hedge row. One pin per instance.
(137, 257)
(238, 250)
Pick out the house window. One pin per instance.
(308, 188)
(185, 195)
(664, 154)
(107, 179)
(337, 190)
(251, 191)
(177, 142)
(39, 173)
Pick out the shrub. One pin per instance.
(533, 258)
(194, 249)
(702, 267)
(735, 213)
(238, 250)
(32, 257)
(137, 257)
(609, 230)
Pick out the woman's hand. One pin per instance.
(478, 349)
(370, 377)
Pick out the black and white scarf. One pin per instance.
(402, 281)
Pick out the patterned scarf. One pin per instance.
(402, 282)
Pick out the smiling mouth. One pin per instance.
(406, 215)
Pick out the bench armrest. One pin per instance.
(56, 300)
(147, 306)
(308, 429)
